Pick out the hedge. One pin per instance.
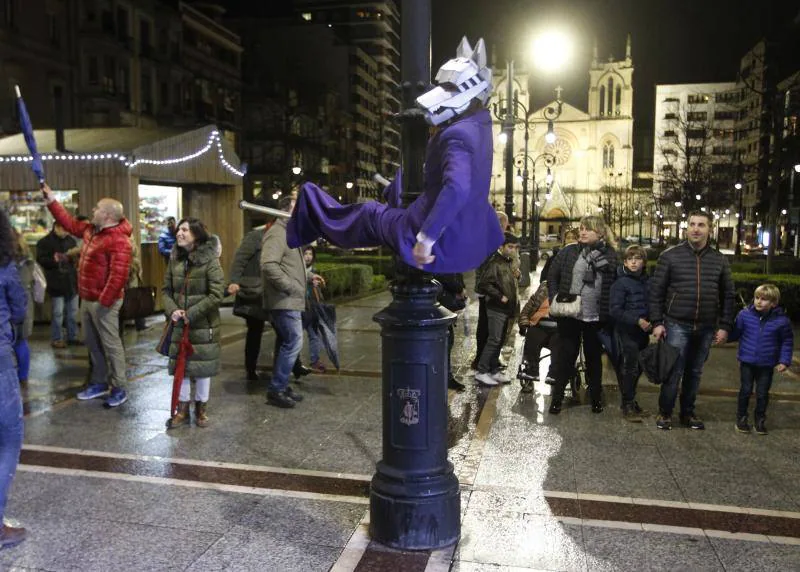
(345, 279)
(380, 264)
(789, 285)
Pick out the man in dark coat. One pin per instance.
(691, 304)
(453, 297)
(62, 283)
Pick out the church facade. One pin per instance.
(591, 158)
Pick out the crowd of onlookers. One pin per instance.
(87, 264)
(593, 299)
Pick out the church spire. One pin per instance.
(594, 53)
(628, 49)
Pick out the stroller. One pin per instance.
(529, 371)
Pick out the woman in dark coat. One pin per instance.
(192, 293)
(586, 269)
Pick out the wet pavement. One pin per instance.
(270, 489)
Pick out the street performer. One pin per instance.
(451, 226)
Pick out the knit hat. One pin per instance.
(510, 238)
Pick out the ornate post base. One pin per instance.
(415, 502)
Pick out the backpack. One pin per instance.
(39, 283)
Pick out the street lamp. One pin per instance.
(737, 249)
(297, 170)
(522, 160)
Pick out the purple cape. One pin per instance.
(453, 209)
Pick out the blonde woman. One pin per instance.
(581, 275)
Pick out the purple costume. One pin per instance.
(453, 209)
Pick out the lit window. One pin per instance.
(306, 16)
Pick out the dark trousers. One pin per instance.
(571, 333)
(632, 340)
(482, 329)
(489, 361)
(535, 340)
(252, 344)
(761, 377)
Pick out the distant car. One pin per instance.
(548, 238)
(632, 239)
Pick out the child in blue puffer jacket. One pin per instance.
(765, 343)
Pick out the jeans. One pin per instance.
(632, 340)
(571, 333)
(288, 325)
(11, 426)
(23, 351)
(314, 345)
(497, 325)
(761, 376)
(693, 345)
(101, 329)
(252, 344)
(59, 306)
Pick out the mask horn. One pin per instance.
(464, 50)
(479, 55)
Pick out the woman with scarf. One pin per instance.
(579, 281)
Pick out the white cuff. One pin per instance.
(428, 242)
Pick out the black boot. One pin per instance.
(280, 399)
(299, 370)
(555, 405)
(454, 383)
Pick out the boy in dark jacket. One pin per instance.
(499, 287)
(628, 307)
(453, 296)
(765, 343)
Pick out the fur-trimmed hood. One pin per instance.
(203, 253)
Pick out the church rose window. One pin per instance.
(561, 150)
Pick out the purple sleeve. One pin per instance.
(456, 183)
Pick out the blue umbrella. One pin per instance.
(30, 140)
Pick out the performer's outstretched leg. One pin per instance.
(317, 215)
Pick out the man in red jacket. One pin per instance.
(102, 273)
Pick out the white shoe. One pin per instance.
(501, 377)
(485, 379)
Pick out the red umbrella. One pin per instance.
(185, 349)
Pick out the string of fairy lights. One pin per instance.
(214, 139)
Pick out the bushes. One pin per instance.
(788, 284)
(380, 264)
(345, 279)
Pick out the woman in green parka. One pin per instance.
(192, 293)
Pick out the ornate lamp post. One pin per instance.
(523, 160)
(415, 501)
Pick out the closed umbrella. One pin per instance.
(30, 140)
(323, 320)
(185, 350)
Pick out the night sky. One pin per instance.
(677, 41)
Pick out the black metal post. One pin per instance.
(737, 250)
(525, 190)
(508, 129)
(415, 501)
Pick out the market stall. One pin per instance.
(153, 173)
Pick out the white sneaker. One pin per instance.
(485, 378)
(501, 377)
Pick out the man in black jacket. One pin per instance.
(691, 304)
(62, 283)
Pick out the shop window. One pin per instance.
(29, 215)
(156, 203)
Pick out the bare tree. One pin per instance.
(697, 158)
